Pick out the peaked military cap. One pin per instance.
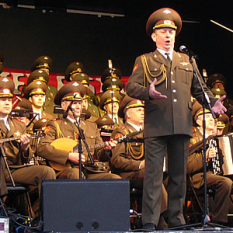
(70, 91)
(73, 68)
(127, 103)
(216, 78)
(36, 87)
(40, 124)
(42, 62)
(80, 77)
(164, 17)
(7, 87)
(112, 84)
(104, 121)
(38, 75)
(108, 97)
(198, 110)
(223, 119)
(111, 73)
(22, 109)
(24, 104)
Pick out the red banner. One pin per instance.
(55, 79)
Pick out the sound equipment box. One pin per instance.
(85, 205)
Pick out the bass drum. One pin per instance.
(226, 145)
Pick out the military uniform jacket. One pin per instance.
(49, 99)
(69, 130)
(16, 158)
(123, 158)
(172, 115)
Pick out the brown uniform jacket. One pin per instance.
(69, 130)
(16, 158)
(172, 115)
(126, 156)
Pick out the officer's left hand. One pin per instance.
(110, 144)
(218, 107)
(25, 141)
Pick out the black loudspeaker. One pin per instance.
(85, 205)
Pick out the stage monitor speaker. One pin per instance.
(85, 205)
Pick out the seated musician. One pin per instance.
(221, 185)
(128, 158)
(18, 152)
(70, 95)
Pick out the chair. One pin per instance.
(23, 203)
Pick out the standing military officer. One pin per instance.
(70, 97)
(128, 158)
(165, 80)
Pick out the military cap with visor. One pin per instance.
(223, 119)
(104, 122)
(111, 73)
(109, 97)
(40, 125)
(36, 87)
(128, 103)
(42, 62)
(71, 91)
(80, 77)
(73, 68)
(112, 84)
(38, 75)
(216, 78)
(164, 18)
(7, 87)
(22, 109)
(197, 111)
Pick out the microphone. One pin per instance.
(183, 49)
(190, 53)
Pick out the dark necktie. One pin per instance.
(170, 62)
(115, 121)
(168, 58)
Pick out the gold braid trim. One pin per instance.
(59, 132)
(148, 73)
(133, 153)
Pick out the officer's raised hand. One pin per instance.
(155, 95)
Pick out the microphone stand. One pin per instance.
(80, 139)
(205, 104)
